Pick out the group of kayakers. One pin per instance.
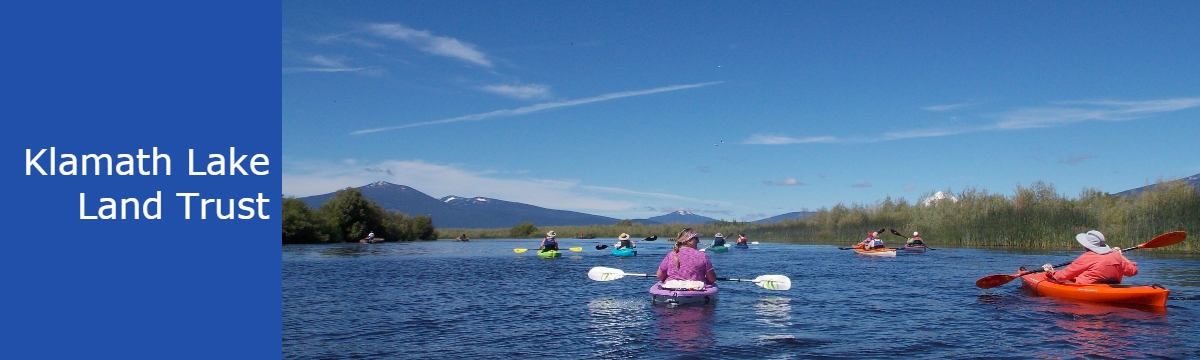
(874, 242)
(1100, 264)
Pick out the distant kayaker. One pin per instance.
(463, 237)
(718, 240)
(872, 242)
(1099, 265)
(915, 240)
(550, 242)
(623, 242)
(370, 236)
(685, 262)
(741, 240)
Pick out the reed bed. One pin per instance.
(1036, 217)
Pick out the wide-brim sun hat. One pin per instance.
(551, 234)
(1094, 241)
(623, 236)
(719, 235)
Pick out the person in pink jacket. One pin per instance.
(1101, 264)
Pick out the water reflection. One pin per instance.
(774, 311)
(1103, 330)
(688, 328)
(613, 322)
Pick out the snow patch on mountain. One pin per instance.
(938, 196)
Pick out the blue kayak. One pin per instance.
(741, 246)
(624, 252)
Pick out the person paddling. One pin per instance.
(915, 240)
(623, 242)
(718, 240)
(1100, 264)
(872, 242)
(370, 236)
(741, 240)
(550, 242)
(685, 262)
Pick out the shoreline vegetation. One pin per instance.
(347, 218)
(1034, 217)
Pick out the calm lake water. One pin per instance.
(479, 299)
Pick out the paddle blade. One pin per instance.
(753, 243)
(991, 281)
(774, 282)
(520, 250)
(601, 273)
(576, 249)
(601, 247)
(1167, 239)
(897, 233)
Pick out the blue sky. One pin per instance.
(735, 110)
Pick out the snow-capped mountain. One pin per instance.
(937, 197)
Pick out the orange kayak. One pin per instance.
(1151, 295)
(875, 252)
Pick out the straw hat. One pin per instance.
(623, 236)
(551, 234)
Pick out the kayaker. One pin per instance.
(741, 240)
(1100, 264)
(872, 242)
(718, 240)
(915, 240)
(463, 237)
(370, 236)
(686, 262)
(623, 242)
(550, 242)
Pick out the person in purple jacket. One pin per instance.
(685, 262)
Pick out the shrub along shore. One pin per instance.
(1035, 217)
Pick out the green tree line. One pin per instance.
(1035, 216)
(349, 217)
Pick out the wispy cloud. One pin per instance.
(323, 63)
(539, 107)
(1059, 114)
(320, 69)
(524, 92)
(861, 185)
(651, 194)
(1070, 112)
(949, 106)
(437, 45)
(782, 140)
(909, 187)
(784, 182)
(1075, 159)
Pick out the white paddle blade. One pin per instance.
(753, 243)
(601, 273)
(774, 282)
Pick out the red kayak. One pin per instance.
(1150, 295)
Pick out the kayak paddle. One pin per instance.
(575, 249)
(652, 238)
(1167, 239)
(769, 282)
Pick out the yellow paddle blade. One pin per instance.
(519, 250)
(577, 249)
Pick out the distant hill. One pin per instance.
(681, 216)
(1193, 180)
(465, 212)
(788, 216)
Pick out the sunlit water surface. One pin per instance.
(479, 299)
